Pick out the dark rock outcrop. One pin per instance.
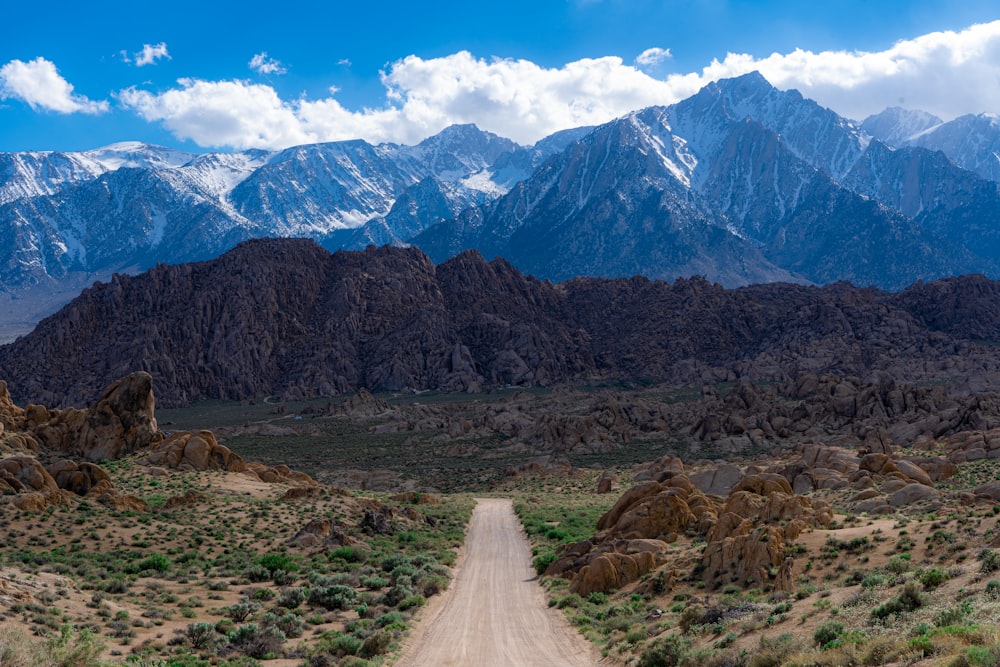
(285, 317)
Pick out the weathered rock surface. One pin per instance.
(745, 536)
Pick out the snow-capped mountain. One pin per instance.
(741, 183)
(800, 192)
(147, 202)
(970, 141)
(896, 125)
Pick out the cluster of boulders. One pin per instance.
(121, 422)
(35, 487)
(746, 532)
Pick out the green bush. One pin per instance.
(908, 600)
(933, 577)
(156, 563)
(542, 561)
(348, 554)
(333, 597)
(376, 644)
(200, 635)
(277, 562)
(668, 651)
(256, 642)
(827, 633)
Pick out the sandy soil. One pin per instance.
(495, 613)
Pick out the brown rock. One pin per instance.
(605, 482)
(914, 472)
(912, 493)
(717, 481)
(121, 421)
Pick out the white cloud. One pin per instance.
(150, 54)
(265, 65)
(945, 73)
(39, 84)
(652, 57)
(221, 113)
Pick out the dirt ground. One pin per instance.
(495, 613)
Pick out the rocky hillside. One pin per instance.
(286, 317)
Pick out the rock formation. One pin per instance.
(284, 317)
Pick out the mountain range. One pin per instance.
(741, 183)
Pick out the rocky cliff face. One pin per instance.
(287, 317)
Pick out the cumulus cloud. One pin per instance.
(945, 73)
(39, 84)
(652, 57)
(262, 64)
(151, 53)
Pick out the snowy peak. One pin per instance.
(812, 132)
(895, 126)
(134, 154)
(35, 174)
(460, 150)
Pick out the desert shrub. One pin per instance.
(376, 644)
(390, 618)
(341, 645)
(116, 585)
(898, 565)
(66, 649)
(156, 563)
(263, 594)
(373, 582)
(933, 577)
(434, 584)
(277, 562)
(333, 597)
(828, 632)
(772, 652)
(953, 615)
(257, 573)
(347, 554)
(982, 656)
(255, 641)
(989, 561)
(690, 616)
(411, 601)
(200, 635)
(242, 610)
(395, 595)
(289, 624)
(668, 651)
(282, 578)
(542, 561)
(291, 598)
(993, 589)
(908, 600)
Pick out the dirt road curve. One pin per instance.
(495, 614)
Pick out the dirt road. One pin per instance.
(495, 614)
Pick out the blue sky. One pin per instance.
(209, 75)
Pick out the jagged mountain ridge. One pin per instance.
(971, 141)
(742, 183)
(286, 317)
(649, 193)
(48, 204)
